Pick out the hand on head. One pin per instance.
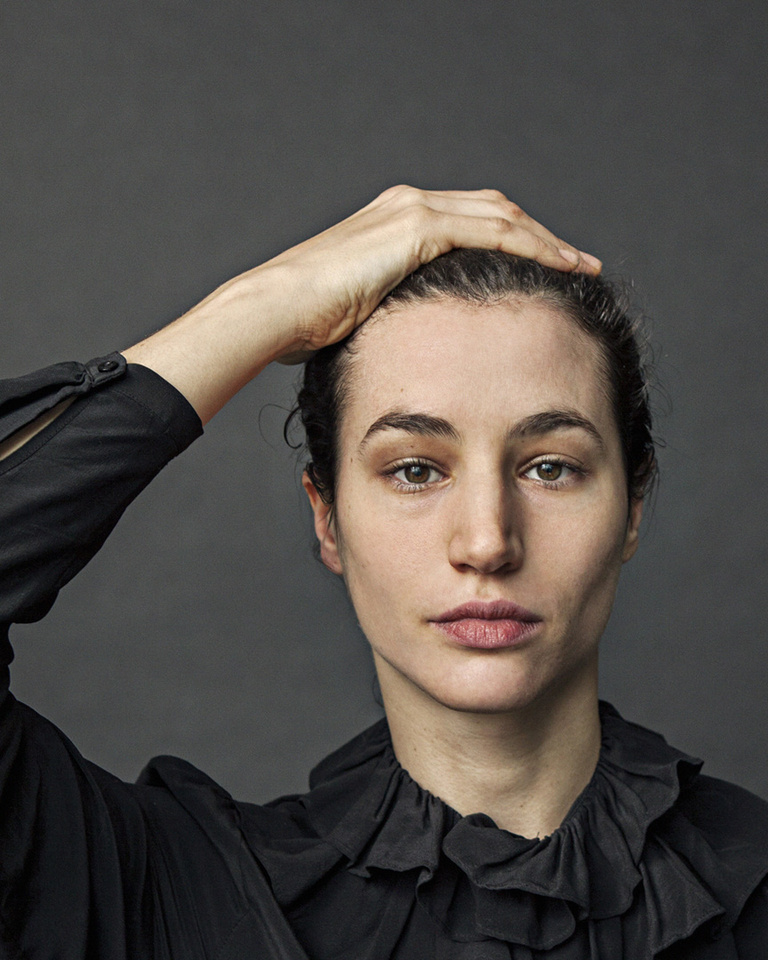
(342, 274)
(319, 291)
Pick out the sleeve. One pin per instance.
(751, 930)
(91, 866)
(62, 493)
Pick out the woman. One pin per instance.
(480, 453)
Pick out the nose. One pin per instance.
(486, 533)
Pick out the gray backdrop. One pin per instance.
(152, 149)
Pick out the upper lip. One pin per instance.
(487, 610)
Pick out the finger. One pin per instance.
(491, 203)
(496, 233)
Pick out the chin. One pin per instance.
(486, 698)
(482, 684)
(487, 687)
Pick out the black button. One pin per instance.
(107, 366)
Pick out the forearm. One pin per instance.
(319, 291)
(223, 342)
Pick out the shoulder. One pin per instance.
(719, 831)
(729, 816)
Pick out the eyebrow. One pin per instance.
(420, 424)
(537, 424)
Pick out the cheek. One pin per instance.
(380, 548)
(390, 563)
(593, 560)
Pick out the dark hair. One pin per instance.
(488, 276)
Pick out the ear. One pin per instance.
(325, 527)
(633, 528)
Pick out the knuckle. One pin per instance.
(502, 225)
(399, 190)
(421, 216)
(409, 193)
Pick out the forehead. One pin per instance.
(483, 364)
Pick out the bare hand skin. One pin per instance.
(524, 771)
(316, 293)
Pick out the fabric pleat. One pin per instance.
(647, 847)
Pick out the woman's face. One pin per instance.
(481, 515)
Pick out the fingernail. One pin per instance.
(569, 255)
(592, 261)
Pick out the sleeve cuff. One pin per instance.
(24, 399)
(163, 402)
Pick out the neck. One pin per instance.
(524, 767)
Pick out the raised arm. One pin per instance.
(63, 493)
(317, 292)
(90, 866)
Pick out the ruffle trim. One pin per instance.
(479, 882)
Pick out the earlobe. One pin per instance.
(325, 528)
(633, 529)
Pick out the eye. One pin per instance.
(415, 474)
(551, 472)
(548, 470)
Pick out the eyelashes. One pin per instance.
(415, 474)
(553, 472)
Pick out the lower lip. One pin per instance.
(488, 634)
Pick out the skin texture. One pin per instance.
(319, 291)
(522, 771)
(518, 765)
(484, 522)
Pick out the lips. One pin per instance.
(488, 625)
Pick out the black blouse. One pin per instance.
(652, 860)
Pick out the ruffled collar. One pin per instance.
(621, 846)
